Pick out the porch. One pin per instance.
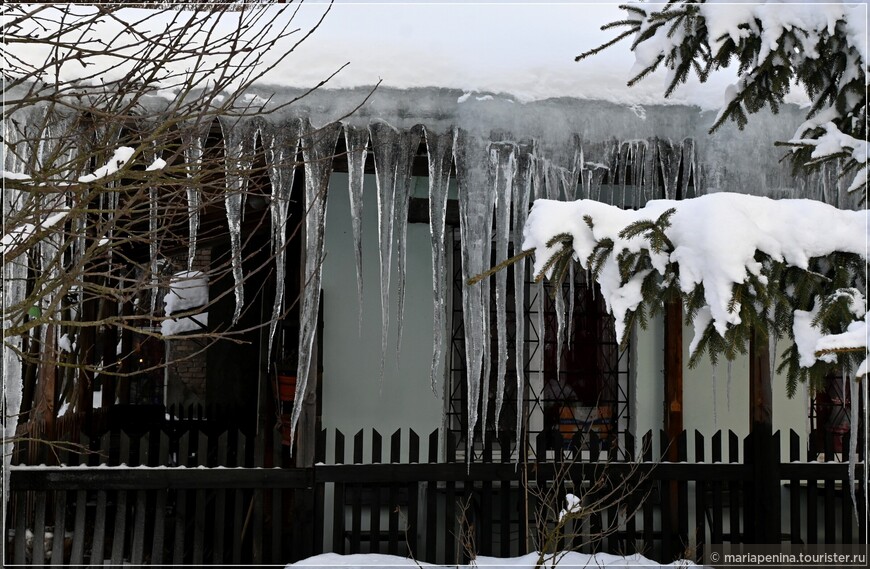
(193, 488)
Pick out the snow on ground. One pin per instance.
(567, 559)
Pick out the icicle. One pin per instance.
(193, 139)
(573, 187)
(239, 138)
(651, 188)
(153, 224)
(385, 144)
(576, 169)
(404, 167)
(772, 345)
(571, 277)
(14, 279)
(318, 148)
(728, 386)
(669, 161)
(440, 150)
(503, 163)
(281, 143)
(583, 174)
(625, 158)
(559, 298)
(522, 187)
(542, 328)
(688, 183)
(553, 181)
(476, 202)
(356, 140)
(854, 414)
(152, 246)
(568, 183)
(594, 167)
(637, 172)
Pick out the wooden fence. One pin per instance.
(404, 495)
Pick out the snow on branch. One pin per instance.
(23, 233)
(119, 158)
(737, 261)
(775, 47)
(834, 144)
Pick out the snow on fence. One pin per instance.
(209, 494)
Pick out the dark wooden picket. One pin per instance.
(189, 515)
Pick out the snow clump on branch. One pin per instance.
(712, 246)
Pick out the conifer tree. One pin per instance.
(820, 48)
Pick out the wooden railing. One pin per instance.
(403, 495)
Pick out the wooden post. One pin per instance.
(673, 373)
(765, 449)
(673, 414)
(46, 389)
(760, 391)
(88, 355)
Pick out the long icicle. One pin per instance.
(281, 144)
(318, 149)
(503, 163)
(540, 191)
(385, 142)
(193, 140)
(239, 139)
(687, 170)
(404, 171)
(522, 193)
(439, 147)
(356, 141)
(475, 226)
(153, 224)
(854, 414)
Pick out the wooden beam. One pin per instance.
(760, 387)
(673, 373)
(673, 414)
(765, 523)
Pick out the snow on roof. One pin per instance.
(524, 50)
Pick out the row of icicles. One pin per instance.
(496, 180)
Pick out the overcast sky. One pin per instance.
(525, 49)
(522, 49)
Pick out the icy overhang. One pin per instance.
(564, 128)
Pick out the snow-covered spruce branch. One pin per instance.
(739, 264)
(821, 48)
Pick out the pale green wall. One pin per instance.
(353, 394)
(731, 411)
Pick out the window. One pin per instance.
(581, 403)
(576, 391)
(830, 419)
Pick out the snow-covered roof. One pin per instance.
(519, 49)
